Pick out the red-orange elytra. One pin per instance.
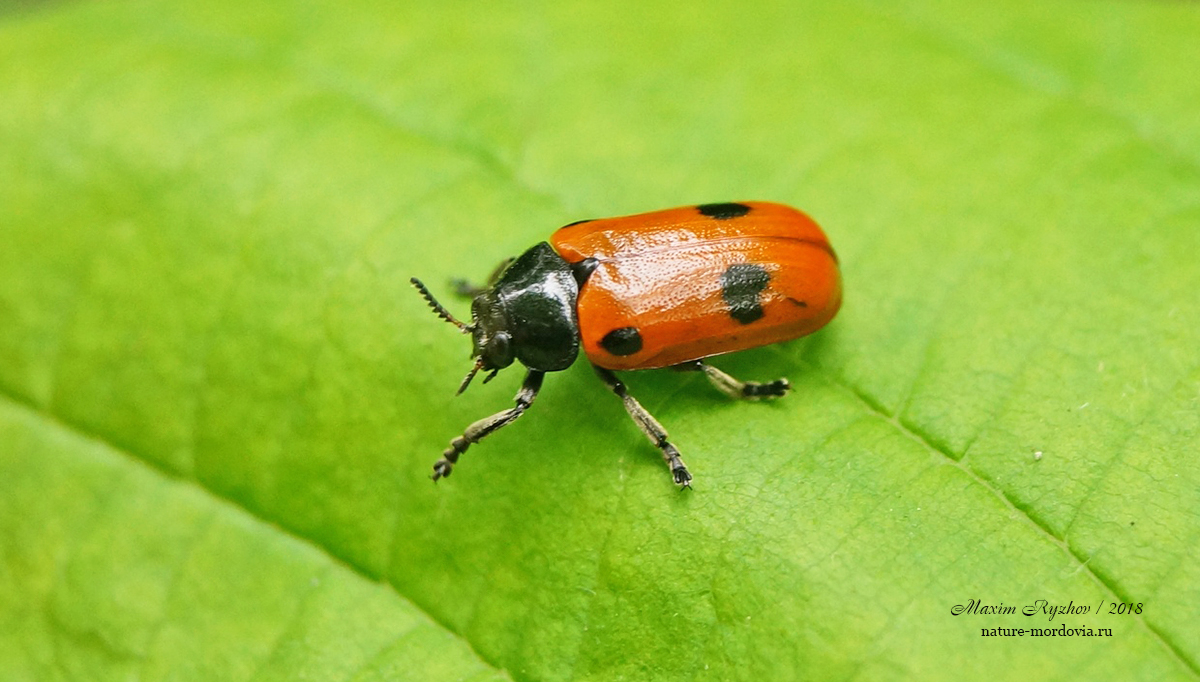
(691, 283)
(662, 289)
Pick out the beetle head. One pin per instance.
(490, 339)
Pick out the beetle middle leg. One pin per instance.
(744, 390)
(475, 432)
(649, 426)
(465, 289)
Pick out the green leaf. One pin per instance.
(221, 399)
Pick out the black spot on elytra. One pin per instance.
(578, 222)
(623, 341)
(723, 211)
(741, 284)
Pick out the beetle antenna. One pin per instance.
(440, 311)
(470, 375)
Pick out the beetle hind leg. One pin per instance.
(743, 390)
(476, 431)
(649, 426)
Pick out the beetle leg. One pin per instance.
(649, 426)
(465, 289)
(475, 432)
(747, 390)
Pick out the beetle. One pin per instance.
(668, 288)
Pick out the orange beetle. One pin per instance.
(661, 289)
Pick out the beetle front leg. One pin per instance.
(745, 390)
(476, 432)
(465, 289)
(649, 426)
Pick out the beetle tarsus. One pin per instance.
(679, 470)
(441, 469)
(742, 390)
(478, 430)
(444, 466)
(465, 289)
(752, 390)
(649, 426)
(683, 479)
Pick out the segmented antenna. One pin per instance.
(441, 312)
(470, 375)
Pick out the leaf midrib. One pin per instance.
(1082, 564)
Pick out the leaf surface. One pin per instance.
(220, 397)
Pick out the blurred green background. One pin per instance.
(220, 399)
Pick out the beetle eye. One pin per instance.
(498, 353)
(499, 343)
